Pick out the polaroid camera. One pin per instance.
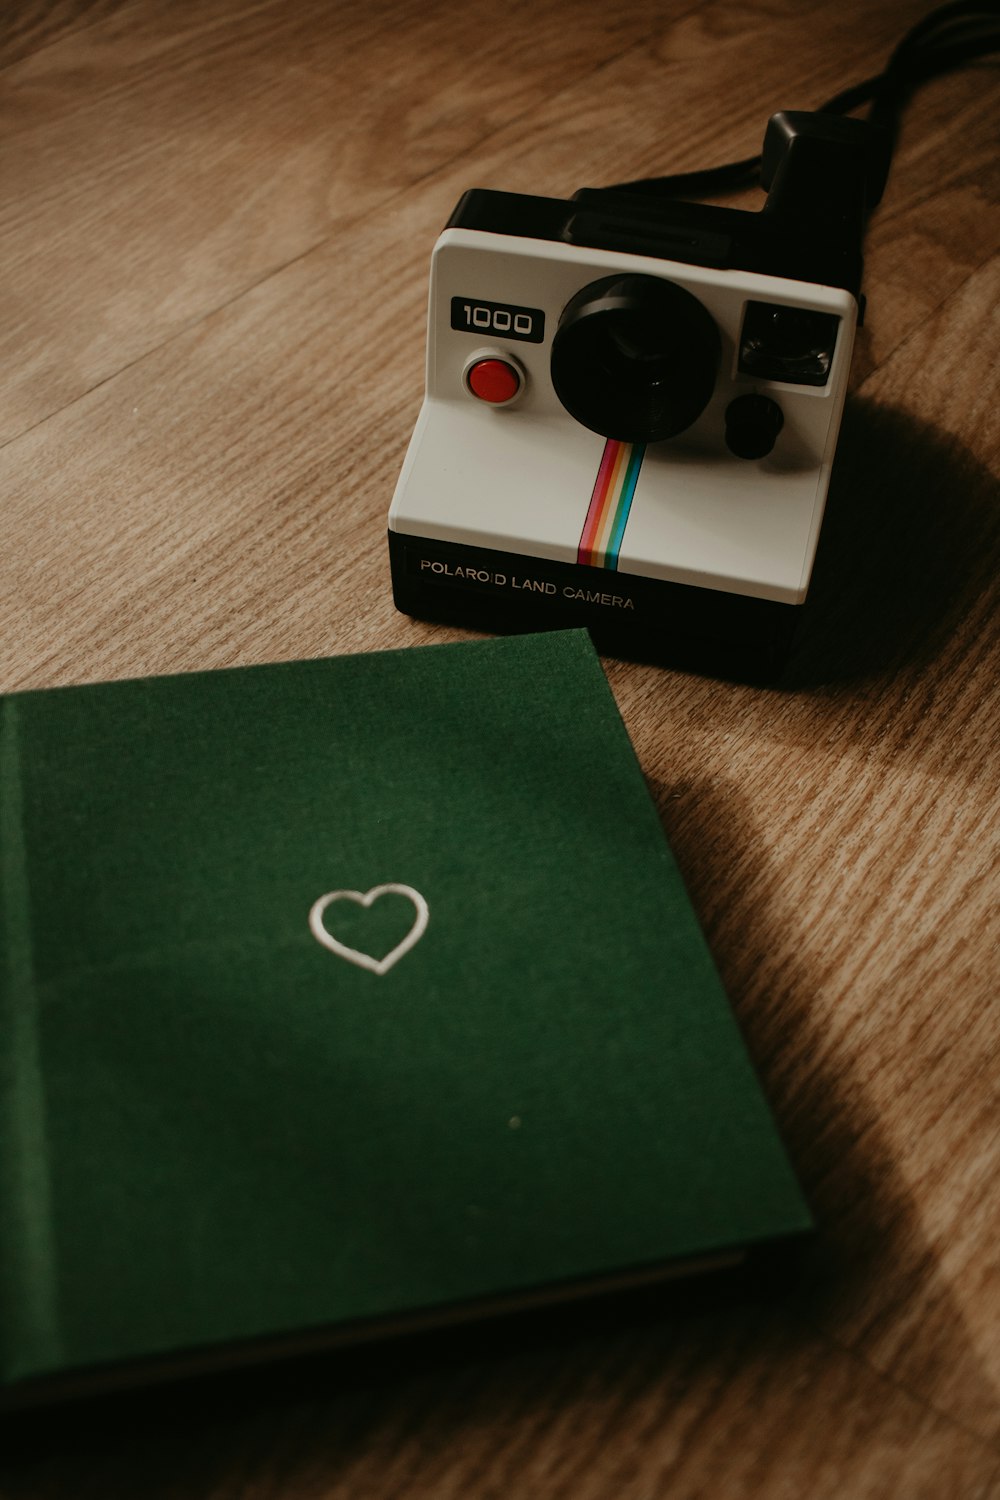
(632, 406)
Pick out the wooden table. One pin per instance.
(215, 227)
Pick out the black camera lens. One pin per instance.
(794, 344)
(635, 358)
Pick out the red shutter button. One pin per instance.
(493, 380)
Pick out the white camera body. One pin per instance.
(628, 424)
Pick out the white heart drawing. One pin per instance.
(354, 955)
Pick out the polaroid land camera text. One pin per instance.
(633, 404)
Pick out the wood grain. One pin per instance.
(26, 29)
(168, 158)
(216, 222)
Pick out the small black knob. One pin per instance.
(752, 426)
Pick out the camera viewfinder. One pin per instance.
(793, 344)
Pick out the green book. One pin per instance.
(343, 994)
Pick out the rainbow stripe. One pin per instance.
(610, 504)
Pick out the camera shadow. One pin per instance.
(908, 546)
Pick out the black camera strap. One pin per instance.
(947, 38)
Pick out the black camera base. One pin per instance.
(646, 619)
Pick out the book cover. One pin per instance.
(342, 992)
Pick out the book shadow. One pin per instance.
(346, 1416)
(870, 1280)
